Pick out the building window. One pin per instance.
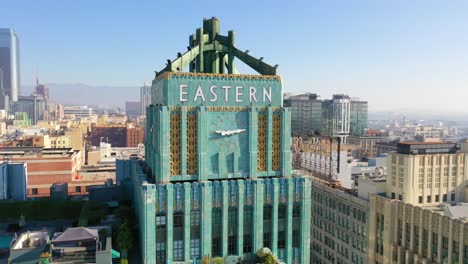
(216, 247)
(267, 239)
(434, 246)
(400, 197)
(247, 244)
(416, 237)
(247, 220)
(437, 198)
(78, 189)
(420, 199)
(444, 197)
(393, 195)
(178, 250)
(161, 252)
(465, 255)
(232, 245)
(455, 251)
(195, 248)
(178, 219)
(267, 213)
(452, 197)
(34, 191)
(217, 217)
(281, 239)
(232, 216)
(428, 198)
(195, 218)
(160, 221)
(408, 234)
(444, 249)
(296, 211)
(425, 241)
(296, 237)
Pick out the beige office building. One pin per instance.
(404, 233)
(423, 173)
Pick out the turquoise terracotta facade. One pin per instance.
(240, 216)
(216, 180)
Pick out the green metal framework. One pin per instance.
(210, 52)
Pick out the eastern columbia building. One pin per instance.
(217, 179)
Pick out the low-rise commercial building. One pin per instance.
(119, 135)
(49, 166)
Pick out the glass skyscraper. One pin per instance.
(342, 116)
(9, 63)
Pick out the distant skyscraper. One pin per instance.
(306, 113)
(145, 97)
(34, 105)
(358, 117)
(41, 90)
(336, 116)
(341, 116)
(4, 99)
(9, 62)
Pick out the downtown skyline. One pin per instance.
(407, 52)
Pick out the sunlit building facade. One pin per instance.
(217, 179)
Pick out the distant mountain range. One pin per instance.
(419, 114)
(79, 93)
(116, 96)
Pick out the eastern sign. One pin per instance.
(226, 93)
(241, 90)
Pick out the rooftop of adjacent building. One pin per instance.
(457, 210)
(31, 239)
(415, 148)
(36, 152)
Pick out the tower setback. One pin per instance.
(217, 178)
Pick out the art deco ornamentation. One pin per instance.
(192, 146)
(276, 162)
(175, 142)
(262, 142)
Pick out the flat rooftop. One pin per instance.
(37, 152)
(423, 148)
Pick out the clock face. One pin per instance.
(227, 142)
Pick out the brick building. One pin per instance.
(49, 166)
(135, 135)
(118, 135)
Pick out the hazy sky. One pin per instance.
(395, 54)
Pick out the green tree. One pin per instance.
(266, 256)
(124, 239)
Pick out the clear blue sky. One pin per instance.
(395, 53)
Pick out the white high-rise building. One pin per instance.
(9, 63)
(145, 97)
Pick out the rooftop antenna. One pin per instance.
(37, 77)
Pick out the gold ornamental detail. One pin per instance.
(175, 152)
(262, 142)
(192, 138)
(276, 155)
